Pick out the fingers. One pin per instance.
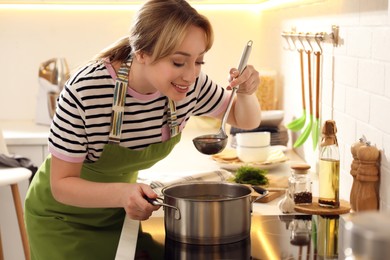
(137, 207)
(140, 209)
(248, 81)
(233, 73)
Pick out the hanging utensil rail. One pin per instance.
(318, 37)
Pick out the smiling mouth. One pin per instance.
(180, 86)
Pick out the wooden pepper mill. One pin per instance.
(367, 176)
(354, 166)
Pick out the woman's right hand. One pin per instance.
(135, 204)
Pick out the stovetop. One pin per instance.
(272, 237)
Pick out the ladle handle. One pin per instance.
(241, 67)
(245, 56)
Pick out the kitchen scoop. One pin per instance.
(316, 127)
(215, 143)
(299, 123)
(305, 134)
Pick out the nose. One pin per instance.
(190, 73)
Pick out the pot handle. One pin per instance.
(263, 192)
(155, 202)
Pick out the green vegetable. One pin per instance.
(251, 175)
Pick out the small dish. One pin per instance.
(228, 159)
(235, 166)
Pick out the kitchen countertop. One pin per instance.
(25, 132)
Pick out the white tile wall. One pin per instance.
(355, 77)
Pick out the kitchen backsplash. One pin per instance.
(355, 75)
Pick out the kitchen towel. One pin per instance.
(18, 161)
(157, 183)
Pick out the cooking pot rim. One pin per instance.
(189, 183)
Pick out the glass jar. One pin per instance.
(300, 229)
(300, 184)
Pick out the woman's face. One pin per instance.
(174, 74)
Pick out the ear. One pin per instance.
(141, 56)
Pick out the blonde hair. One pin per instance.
(158, 29)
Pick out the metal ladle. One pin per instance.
(215, 143)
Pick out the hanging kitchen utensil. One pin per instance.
(305, 134)
(316, 126)
(299, 123)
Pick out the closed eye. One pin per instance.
(199, 63)
(178, 64)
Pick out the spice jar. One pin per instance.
(300, 230)
(300, 184)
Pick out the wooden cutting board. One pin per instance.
(276, 187)
(270, 196)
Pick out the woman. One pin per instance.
(119, 114)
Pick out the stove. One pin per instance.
(271, 237)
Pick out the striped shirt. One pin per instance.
(81, 125)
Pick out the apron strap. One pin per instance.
(118, 106)
(172, 118)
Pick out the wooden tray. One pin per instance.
(316, 209)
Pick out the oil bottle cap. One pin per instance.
(329, 128)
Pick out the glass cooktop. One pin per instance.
(272, 237)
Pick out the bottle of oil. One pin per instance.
(329, 167)
(328, 237)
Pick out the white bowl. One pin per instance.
(252, 154)
(253, 139)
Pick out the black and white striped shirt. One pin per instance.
(81, 125)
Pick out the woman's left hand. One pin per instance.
(248, 80)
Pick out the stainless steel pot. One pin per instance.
(365, 235)
(207, 212)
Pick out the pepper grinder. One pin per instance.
(354, 167)
(368, 176)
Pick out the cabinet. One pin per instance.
(36, 153)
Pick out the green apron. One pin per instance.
(57, 231)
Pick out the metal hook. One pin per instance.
(288, 40)
(308, 41)
(318, 37)
(300, 36)
(294, 40)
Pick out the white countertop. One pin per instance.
(24, 132)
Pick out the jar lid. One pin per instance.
(300, 168)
